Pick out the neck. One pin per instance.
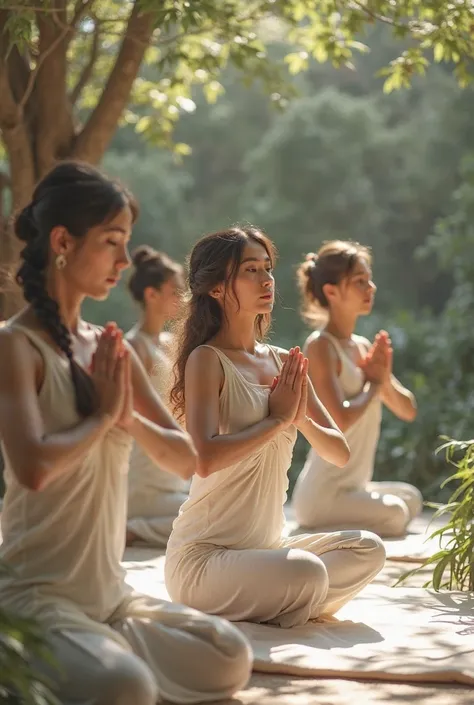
(341, 325)
(69, 303)
(152, 323)
(238, 334)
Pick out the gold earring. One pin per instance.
(60, 262)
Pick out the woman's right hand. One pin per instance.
(107, 372)
(285, 395)
(377, 364)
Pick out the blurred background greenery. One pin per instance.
(343, 160)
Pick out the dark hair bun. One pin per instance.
(25, 226)
(142, 254)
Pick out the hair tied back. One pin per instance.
(311, 257)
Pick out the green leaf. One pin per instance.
(438, 52)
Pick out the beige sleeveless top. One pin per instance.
(242, 505)
(145, 477)
(65, 543)
(362, 436)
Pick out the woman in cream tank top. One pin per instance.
(226, 554)
(353, 378)
(154, 495)
(72, 398)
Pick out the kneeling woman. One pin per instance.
(154, 495)
(354, 379)
(244, 402)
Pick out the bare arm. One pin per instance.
(399, 400)
(318, 427)
(37, 458)
(323, 375)
(141, 352)
(154, 428)
(322, 433)
(216, 451)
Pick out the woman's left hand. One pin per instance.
(126, 418)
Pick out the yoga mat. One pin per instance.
(398, 635)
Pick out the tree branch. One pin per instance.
(95, 137)
(55, 131)
(88, 69)
(39, 63)
(10, 112)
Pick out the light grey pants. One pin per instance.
(174, 654)
(306, 577)
(386, 508)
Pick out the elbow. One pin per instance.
(33, 479)
(190, 466)
(343, 454)
(205, 464)
(203, 467)
(411, 414)
(408, 411)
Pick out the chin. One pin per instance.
(366, 309)
(265, 308)
(101, 295)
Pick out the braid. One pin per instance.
(76, 197)
(31, 276)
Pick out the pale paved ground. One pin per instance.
(283, 690)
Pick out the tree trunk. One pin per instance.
(37, 122)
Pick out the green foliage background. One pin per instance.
(342, 160)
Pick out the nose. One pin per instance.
(372, 287)
(125, 260)
(268, 280)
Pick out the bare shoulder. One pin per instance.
(16, 354)
(12, 342)
(203, 358)
(318, 346)
(204, 369)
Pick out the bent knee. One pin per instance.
(376, 546)
(128, 681)
(414, 502)
(237, 667)
(397, 518)
(229, 664)
(306, 568)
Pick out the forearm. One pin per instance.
(399, 400)
(353, 409)
(171, 449)
(57, 452)
(222, 451)
(329, 443)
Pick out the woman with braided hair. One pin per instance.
(353, 378)
(72, 398)
(154, 495)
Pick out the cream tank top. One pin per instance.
(145, 476)
(64, 544)
(362, 436)
(241, 506)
